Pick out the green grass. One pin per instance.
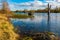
(21, 16)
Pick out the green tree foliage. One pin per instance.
(56, 10)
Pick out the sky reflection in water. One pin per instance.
(39, 23)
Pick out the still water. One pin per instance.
(39, 23)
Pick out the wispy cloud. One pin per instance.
(34, 5)
(12, 7)
(58, 0)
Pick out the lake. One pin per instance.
(39, 23)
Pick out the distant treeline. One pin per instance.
(57, 10)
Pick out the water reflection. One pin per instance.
(40, 23)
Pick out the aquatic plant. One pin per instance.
(27, 38)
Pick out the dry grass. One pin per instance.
(6, 29)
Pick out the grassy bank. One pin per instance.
(6, 29)
(21, 16)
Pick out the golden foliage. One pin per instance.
(6, 29)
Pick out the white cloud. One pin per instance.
(38, 3)
(31, 3)
(54, 3)
(0, 5)
(34, 4)
(12, 7)
(58, 0)
(26, 3)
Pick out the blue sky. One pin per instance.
(20, 1)
(31, 4)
